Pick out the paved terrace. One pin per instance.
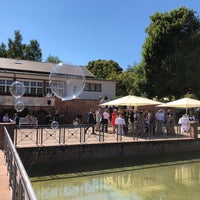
(5, 193)
(45, 136)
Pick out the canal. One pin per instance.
(160, 177)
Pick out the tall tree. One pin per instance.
(15, 47)
(103, 69)
(3, 52)
(138, 85)
(33, 51)
(171, 54)
(17, 50)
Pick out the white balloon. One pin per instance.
(19, 106)
(54, 124)
(17, 89)
(67, 81)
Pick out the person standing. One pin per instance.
(170, 122)
(90, 121)
(105, 120)
(98, 119)
(191, 116)
(131, 119)
(120, 123)
(185, 123)
(160, 118)
(114, 115)
(16, 119)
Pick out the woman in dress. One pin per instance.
(114, 115)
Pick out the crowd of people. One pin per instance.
(122, 121)
(130, 120)
(15, 119)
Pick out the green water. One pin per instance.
(175, 180)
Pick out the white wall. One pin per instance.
(107, 89)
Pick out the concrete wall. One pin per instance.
(85, 152)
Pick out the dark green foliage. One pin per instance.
(17, 50)
(103, 69)
(171, 54)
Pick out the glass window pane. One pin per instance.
(2, 82)
(2, 89)
(9, 82)
(26, 90)
(33, 90)
(39, 84)
(33, 83)
(26, 83)
(98, 87)
(86, 87)
(92, 87)
(39, 91)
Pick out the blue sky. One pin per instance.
(79, 31)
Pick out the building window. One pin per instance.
(34, 88)
(5, 86)
(93, 87)
(48, 88)
(58, 87)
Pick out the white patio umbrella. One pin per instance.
(131, 100)
(182, 103)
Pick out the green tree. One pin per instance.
(3, 53)
(15, 47)
(33, 51)
(125, 81)
(103, 69)
(138, 84)
(17, 50)
(53, 59)
(171, 54)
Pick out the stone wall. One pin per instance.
(86, 152)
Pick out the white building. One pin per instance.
(35, 76)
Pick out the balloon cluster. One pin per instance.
(67, 82)
(17, 90)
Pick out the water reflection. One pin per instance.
(171, 181)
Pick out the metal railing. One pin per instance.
(19, 182)
(70, 134)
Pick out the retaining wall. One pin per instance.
(85, 152)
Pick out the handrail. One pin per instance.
(70, 134)
(18, 178)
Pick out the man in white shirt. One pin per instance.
(185, 124)
(120, 123)
(160, 118)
